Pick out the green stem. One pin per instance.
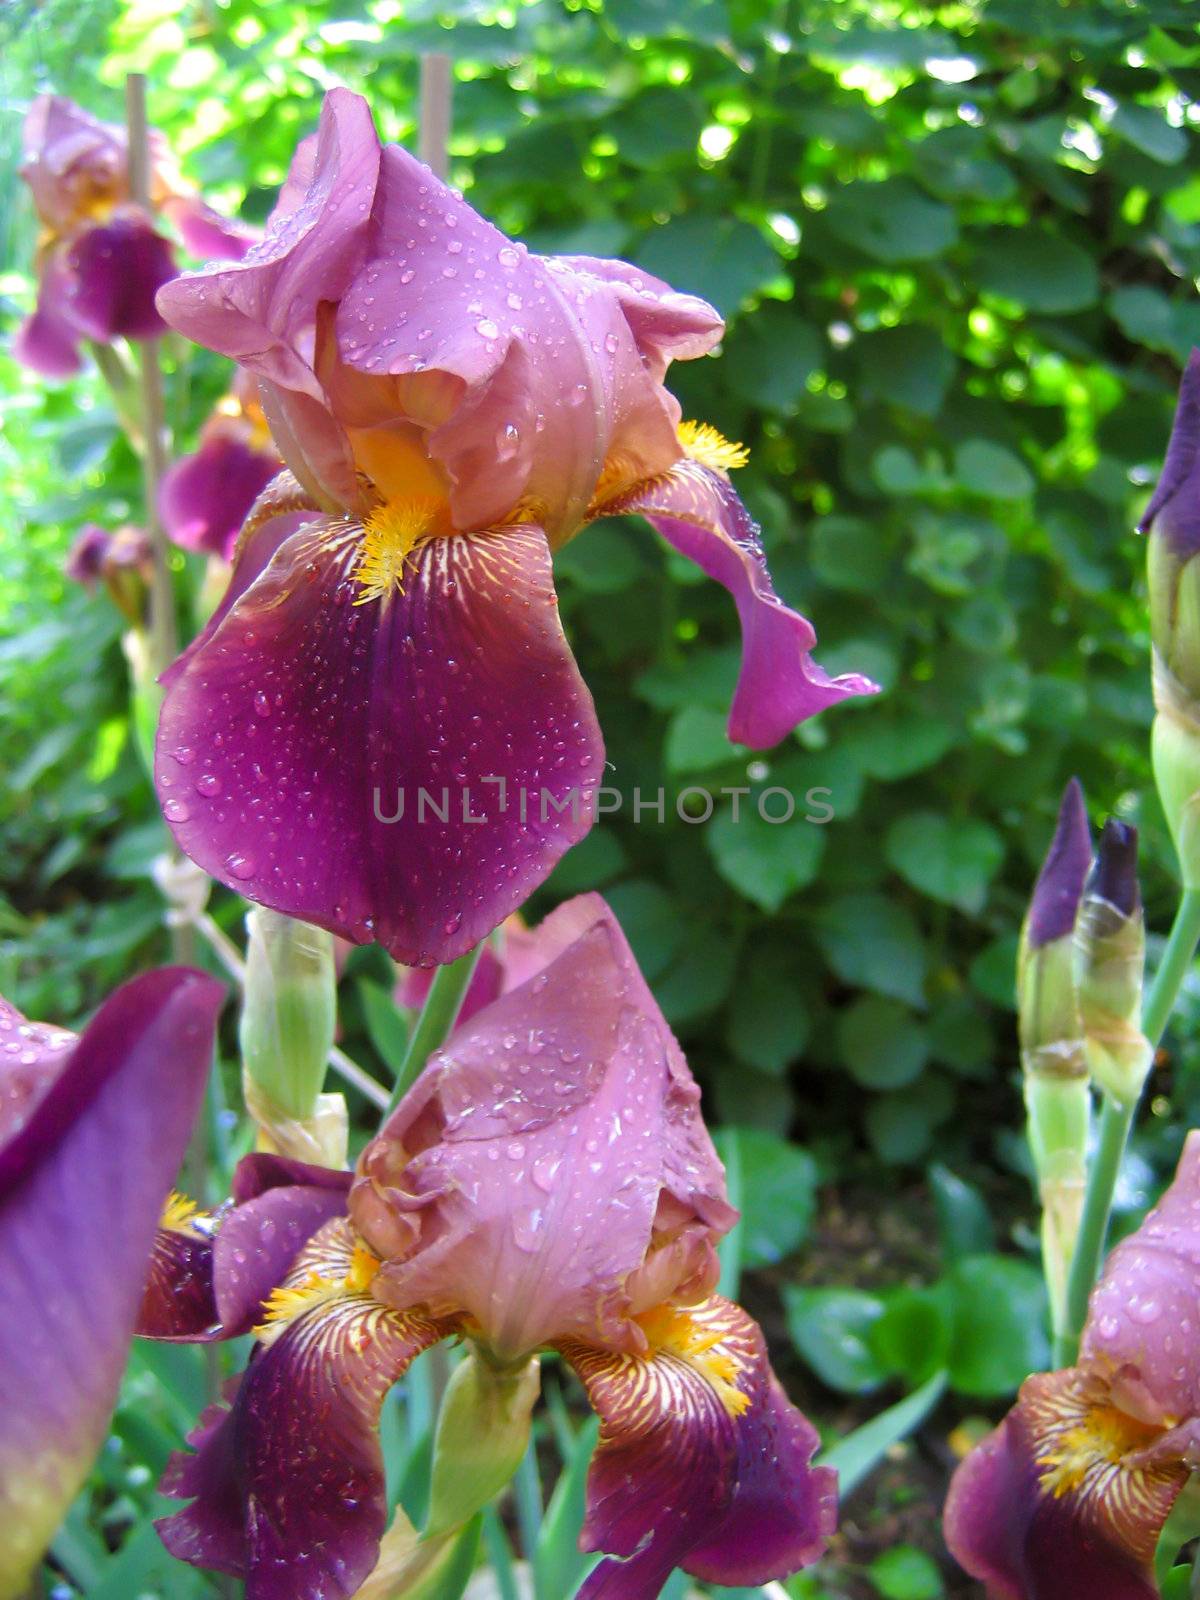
(442, 1005)
(1116, 1119)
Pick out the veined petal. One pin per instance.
(178, 1302)
(204, 498)
(113, 272)
(86, 1163)
(1048, 1507)
(288, 1483)
(698, 512)
(703, 1463)
(565, 1100)
(303, 721)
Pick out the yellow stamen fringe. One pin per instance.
(710, 448)
(675, 1331)
(391, 532)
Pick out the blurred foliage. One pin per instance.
(957, 247)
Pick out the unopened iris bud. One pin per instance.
(1053, 1054)
(1110, 945)
(482, 1434)
(287, 1028)
(1172, 521)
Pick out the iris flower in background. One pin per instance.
(92, 1131)
(204, 498)
(1067, 1498)
(120, 560)
(546, 1183)
(100, 257)
(452, 409)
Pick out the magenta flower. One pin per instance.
(1067, 1498)
(547, 1183)
(452, 409)
(101, 259)
(204, 498)
(92, 1131)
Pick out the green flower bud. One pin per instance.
(482, 1434)
(288, 1018)
(1110, 944)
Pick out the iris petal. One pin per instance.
(86, 1163)
(698, 512)
(113, 273)
(702, 1463)
(204, 498)
(1048, 1507)
(302, 723)
(288, 1482)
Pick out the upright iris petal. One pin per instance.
(452, 408)
(547, 1182)
(1067, 1498)
(92, 1131)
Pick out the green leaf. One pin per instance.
(768, 1019)
(900, 1126)
(558, 1563)
(829, 1328)
(765, 862)
(892, 220)
(958, 163)
(989, 469)
(872, 942)
(697, 742)
(608, 560)
(779, 1195)
(1038, 269)
(719, 258)
(771, 356)
(699, 979)
(965, 1226)
(950, 859)
(912, 1337)
(385, 1025)
(999, 1325)
(908, 366)
(881, 1043)
(856, 1456)
(893, 747)
(648, 918)
(1147, 129)
(906, 1573)
(849, 553)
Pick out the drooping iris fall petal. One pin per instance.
(92, 1132)
(703, 1462)
(288, 1485)
(1067, 1498)
(303, 721)
(113, 272)
(204, 498)
(699, 513)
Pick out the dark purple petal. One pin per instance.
(205, 498)
(1059, 887)
(1045, 1509)
(697, 511)
(87, 1160)
(260, 1239)
(703, 1462)
(288, 1485)
(301, 719)
(113, 273)
(87, 555)
(1175, 504)
(1115, 877)
(179, 1303)
(566, 1100)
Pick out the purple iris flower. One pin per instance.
(1067, 1498)
(101, 259)
(546, 1183)
(452, 409)
(204, 498)
(92, 1131)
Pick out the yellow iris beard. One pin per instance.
(710, 448)
(285, 1305)
(1098, 1442)
(178, 1213)
(679, 1334)
(391, 532)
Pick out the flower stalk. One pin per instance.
(438, 1014)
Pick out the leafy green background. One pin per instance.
(957, 247)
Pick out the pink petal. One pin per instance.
(205, 232)
(698, 512)
(204, 498)
(564, 1100)
(301, 722)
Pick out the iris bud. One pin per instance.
(482, 1434)
(1172, 521)
(1110, 946)
(1053, 1052)
(287, 1028)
